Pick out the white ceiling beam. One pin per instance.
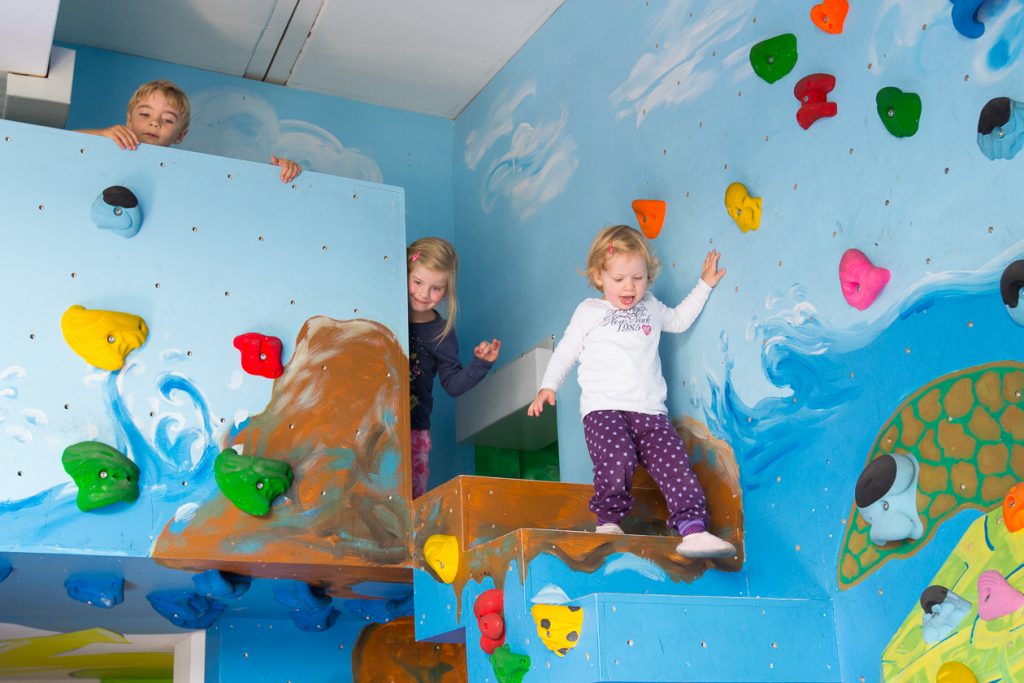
(270, 39)
(295, 37)
(26, 35)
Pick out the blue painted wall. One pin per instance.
(612, 101)
(251, 120)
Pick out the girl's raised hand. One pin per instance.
(537, 406)
(488, 351)
(711, 274)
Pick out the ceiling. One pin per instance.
(427, 56)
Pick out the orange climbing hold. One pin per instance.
(1013, 508)
(829, 15)
(650, 213)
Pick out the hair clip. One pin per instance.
(611, 248)
(414, 257)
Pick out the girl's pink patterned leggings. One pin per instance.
(420, 461)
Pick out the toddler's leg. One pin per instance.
(420, 461)
(610, 442)
(662, 452)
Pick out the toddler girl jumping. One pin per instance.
(433, 347)
(615, 339)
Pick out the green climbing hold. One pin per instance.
(774, 58)
(900, 111)
(249, 482)
(103, 474)
(509, 667)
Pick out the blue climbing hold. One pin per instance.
(186, 609)
(98, 590)
(381, 611)
(965, 18)
(1001, 128)
(1010, 286)
(315, 620)
(300, 596)
(117, 210)
(214, 583)
(5, 569)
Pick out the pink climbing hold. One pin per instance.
(996, 597)
(861, 281)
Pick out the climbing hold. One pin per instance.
(98, 590)
(943, 612)
(830, 15)
(103, 475)
(900, 111)
(488, 609)
(311, 607)
(117, 210)
(772, 59)
(743, 208)
(249, 482)
(186, 608)
(381, 611)
(261, 355)
(955, 672)
(214, 583)
(1010, 285)
(996, 597)
(886, 495)
(103, 338)
(315, 621)
(442, 555)
(509, 666)
(860, 280)
(1013, 508)
(558, 626)
(650, 214)
(299, 595)
(5, 569)
(1001, 128)
(965, 18)
(812, 91)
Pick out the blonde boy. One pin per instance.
(159, 114)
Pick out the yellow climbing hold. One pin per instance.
(103, 338)
(743, 208)
(442, 553)
(955, 672)
(558, 626)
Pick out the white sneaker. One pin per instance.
(703, 544)
(609, 528)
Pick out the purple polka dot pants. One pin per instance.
(618, 440)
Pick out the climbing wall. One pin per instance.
(857, 166)
(225, 249)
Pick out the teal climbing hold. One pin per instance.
(249, 482)
(774, 58)
(103, 474)
(509, 667)
(900, 111)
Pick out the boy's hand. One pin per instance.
(121, 135)
(487, 351)
(543, 396)
(289, 169)
(711, 274)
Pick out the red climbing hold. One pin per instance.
(488, 609)
(261, 355)
(812, 91)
